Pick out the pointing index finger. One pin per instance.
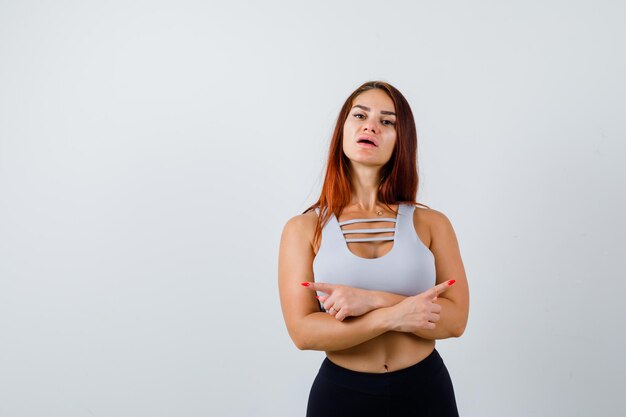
(318, 286)
(438, 289)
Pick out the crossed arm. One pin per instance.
(449, 322)
(369, 313)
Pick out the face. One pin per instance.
(369, 132)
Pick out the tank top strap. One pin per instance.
(405, 225)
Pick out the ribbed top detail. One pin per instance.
(369, 230)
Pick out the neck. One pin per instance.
(365, 183)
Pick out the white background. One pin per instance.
(151, 152)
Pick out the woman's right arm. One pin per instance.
(309, 328)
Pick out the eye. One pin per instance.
(388, 123)
(358, 115)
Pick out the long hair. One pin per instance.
(398, 177)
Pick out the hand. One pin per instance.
(419, 311)
(343, 301)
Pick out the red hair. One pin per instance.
(398, 177)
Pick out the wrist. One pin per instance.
(384, 318)
(382, 299)
(377, 300)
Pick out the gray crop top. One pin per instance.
(407, 269)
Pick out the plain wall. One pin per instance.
(152, 151)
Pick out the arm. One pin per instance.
(448, 264)
(309, 328)
(449, 321)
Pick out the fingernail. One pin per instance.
(318, 297)
(305, 284)
(452, 281)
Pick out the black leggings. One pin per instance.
(421, 390)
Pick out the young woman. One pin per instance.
(368, 277)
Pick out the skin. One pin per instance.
(371, 331)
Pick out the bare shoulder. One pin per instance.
(301, 227)
(430, 223)
(302, 223)
(430, 217)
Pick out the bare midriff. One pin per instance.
(388, 352)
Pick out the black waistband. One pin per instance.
(407, 378)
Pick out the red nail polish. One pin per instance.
(452, 281)
(305, 284)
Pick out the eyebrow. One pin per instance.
(368, 109)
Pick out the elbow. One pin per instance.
(306, 345)
(301, 345)
(458, 330)
(304, 337)
(301, 341)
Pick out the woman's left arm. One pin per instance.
(448, 264)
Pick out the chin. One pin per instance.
(367, 162)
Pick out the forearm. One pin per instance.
(321, 331)
(451, 320)
(386, 299)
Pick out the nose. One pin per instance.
(370, 125)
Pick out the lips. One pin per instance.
(367, 140)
